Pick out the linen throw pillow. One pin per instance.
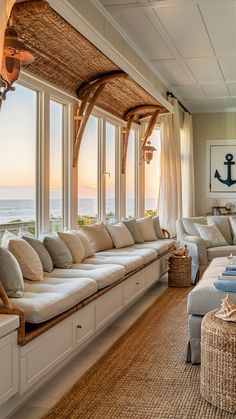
(88, 250)
(233, 225)
(147, 228)
(98, 236)
(26, 256)
(58, 251)
(211, 235)
(157, 227)
(223, 224)
(134, 230)
(74, 244)
(41, 251)
(10, 274)
(120, 235)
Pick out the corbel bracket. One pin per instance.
(89, 94)
(136, 114)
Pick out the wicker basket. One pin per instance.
(179, 274)
(218, 362)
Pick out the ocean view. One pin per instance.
(24, 209)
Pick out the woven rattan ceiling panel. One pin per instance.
(67, 59)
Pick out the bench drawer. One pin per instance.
(84, 324)
(43, 356)
(109, 305)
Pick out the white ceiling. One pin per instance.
(191, 43)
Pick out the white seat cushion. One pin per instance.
(44, 300)
(104, 275)
(160, 246)
(130, 263)
(147, 254)
(205, 297)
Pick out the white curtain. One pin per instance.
(187, 167)
(170, 194)
(5, 11)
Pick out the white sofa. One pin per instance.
(62, 313)
(201, 253)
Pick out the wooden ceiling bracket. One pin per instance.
(136, 114)
(89, 93)
(95, 83)
(150, 127)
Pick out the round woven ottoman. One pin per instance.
(180, 271)
(218, 362)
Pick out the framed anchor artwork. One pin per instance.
(221, 168)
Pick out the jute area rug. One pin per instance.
(144, 375)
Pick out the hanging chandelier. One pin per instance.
(15, 54)
(148, 151)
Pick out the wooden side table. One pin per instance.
(180, 271)
(218, 362)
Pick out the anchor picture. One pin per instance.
(229, 162)
(220, 169)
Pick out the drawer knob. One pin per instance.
(79, 326)
(137, 283)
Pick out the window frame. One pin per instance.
(45, 93)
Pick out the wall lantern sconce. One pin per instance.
(15, 54)
(148, 151)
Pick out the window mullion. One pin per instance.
(101, 168)
(44, 166)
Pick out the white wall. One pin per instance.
(210, 126)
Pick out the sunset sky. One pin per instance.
(18, 150)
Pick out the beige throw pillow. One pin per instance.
(147, 228)
(211, 235)
(120, 235)
(88, 250)
(26, 256)
(98, 236)
(74, 244)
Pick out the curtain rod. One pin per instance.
(179, 103)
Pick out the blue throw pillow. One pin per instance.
(226, 285)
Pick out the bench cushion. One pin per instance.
(44, 300)
(104, 275)
(160, 246)
(146, 254)
(130, 263)
(205, 297)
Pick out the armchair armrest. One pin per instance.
(197, 248)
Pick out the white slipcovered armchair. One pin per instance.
(200, 250)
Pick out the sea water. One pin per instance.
(24, 209)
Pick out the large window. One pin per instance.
(18, 122)
(152, 176)
(130, 176)
(56, 165)
(88, 174)
(110, 171)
